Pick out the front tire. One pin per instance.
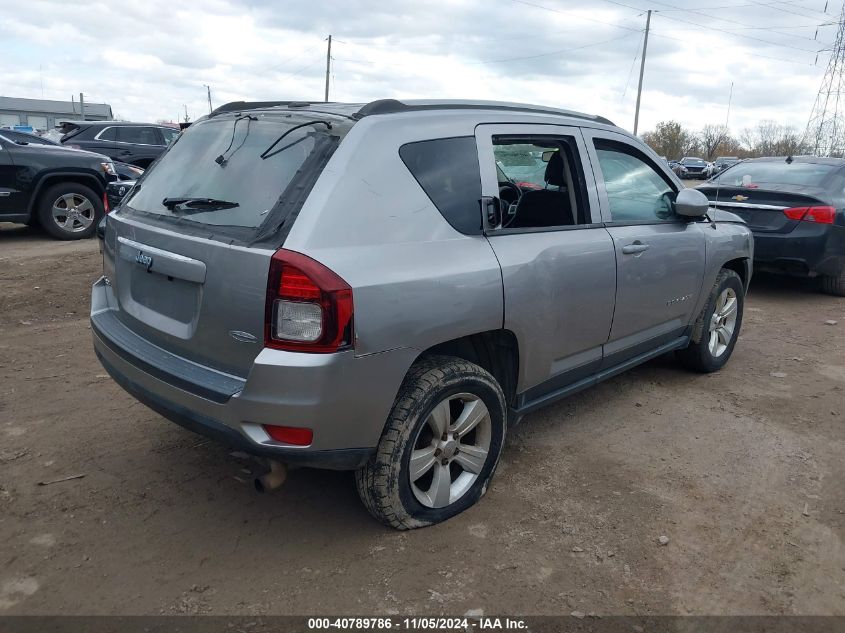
(717, 328)
(440, 446)
(69, 211)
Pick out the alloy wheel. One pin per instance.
(73, 212)
(723, 322)
(450, 450)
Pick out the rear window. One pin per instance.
(749, 174)
(447, 170)
(220, 159)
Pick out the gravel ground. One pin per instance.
(741, 471)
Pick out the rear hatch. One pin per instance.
(760, 192)
(194, 238)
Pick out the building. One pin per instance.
(42, 114)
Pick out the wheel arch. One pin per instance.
(48, 180)
(742, 267)
(496, 351)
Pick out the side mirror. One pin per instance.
(547, 155)
(691, 203)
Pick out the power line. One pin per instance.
(776, 8)
(714, 28)
(630, 72)
(662, 35)
(577, 15)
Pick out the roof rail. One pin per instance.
(234, 106)
(393, 106)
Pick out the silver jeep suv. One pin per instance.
(388, 287)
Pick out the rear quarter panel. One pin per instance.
(416, 281)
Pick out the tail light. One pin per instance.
(821, 215)
(106, 207)
(308, 307)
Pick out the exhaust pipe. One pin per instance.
(272, 479)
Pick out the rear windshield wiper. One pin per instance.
(267, 153)
(201, 204)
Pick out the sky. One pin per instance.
(151, 59)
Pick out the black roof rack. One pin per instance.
(393, 106)
(235, 106)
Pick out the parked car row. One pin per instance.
(697, 168)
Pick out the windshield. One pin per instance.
(751, 174)
(695, 162)
(220, 159)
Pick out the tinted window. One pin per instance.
(192, 168)
(168, 133)
(109, 134)
(447, 170)
(635, 190)
(141, 135)
(19, 137)
(749, 174)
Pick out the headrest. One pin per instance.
(554, 171)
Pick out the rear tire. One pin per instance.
(69, 211)
(717, 328)
(834, 285)
(440, 446)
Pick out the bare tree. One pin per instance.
(770, 138)
(671, 139)
(712, 137)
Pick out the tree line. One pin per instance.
(768, 138)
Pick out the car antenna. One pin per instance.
(719, 181)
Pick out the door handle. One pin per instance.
(635, 248)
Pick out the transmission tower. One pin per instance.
(825, 135)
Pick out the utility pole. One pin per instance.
(328, 67)
(82, 106)
(642, 71)
(208, 88)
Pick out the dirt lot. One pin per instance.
(743, 470)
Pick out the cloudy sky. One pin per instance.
(151, 58)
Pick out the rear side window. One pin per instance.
(447, 170)
(139, 135)
(169, 134)
(109, 134)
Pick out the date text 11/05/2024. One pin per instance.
(417, 624)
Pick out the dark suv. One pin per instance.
(135, 143)
(60, 188)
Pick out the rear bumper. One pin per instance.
(810, 249)
(344, 399)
